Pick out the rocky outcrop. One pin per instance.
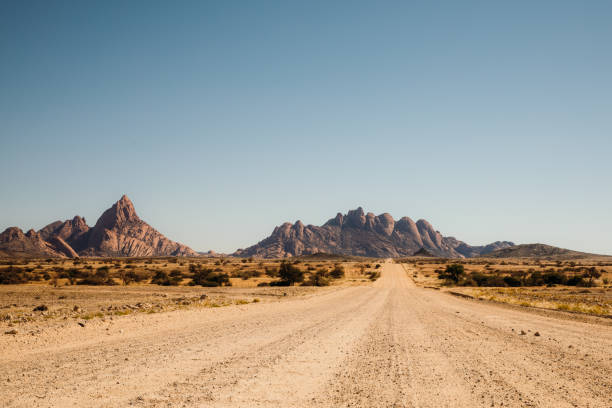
(361, 234)
(423, 253)
(14, 243)
(118, 232)
(74, 232)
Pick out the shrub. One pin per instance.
(247, 274)
(128, 277)
(512, 281)
(101, 277)
(271, 272)
(318, 278)
(337, 272)
(575, 281)
(290, 274)
(207, 277)
(12, 275)
(373, 275)
(554, 278)
(452, 273)
(161, 278)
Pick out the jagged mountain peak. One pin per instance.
(118, 232)
(120, 213)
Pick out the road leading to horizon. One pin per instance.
(387, 345)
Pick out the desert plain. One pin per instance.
(386, 333)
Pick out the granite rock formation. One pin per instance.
(361, 234)
(118, 232)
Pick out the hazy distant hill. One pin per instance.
(118, 232)
(537, 251)
(360, 234)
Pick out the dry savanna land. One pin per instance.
(312, 331)
(581, 286)
(84, 289)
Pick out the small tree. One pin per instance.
(592, 273)
(454, 272)
(338, 272)
(290, 273)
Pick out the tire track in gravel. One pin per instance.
(126, 367)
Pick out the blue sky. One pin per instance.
(223, 119)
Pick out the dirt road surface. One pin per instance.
(387, 345)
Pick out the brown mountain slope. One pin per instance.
(360, 234)
(538, 251)
(14, 243)
(118, 232)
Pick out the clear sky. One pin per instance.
(221, 120)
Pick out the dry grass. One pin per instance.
(65, 299)
(595, 300)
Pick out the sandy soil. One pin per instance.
(386, 345)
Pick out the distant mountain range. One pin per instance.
(361, 234)
(118, 232)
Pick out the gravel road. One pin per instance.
(386, 345)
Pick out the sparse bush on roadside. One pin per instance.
(289, 274)
(207, 277)
(338, 272)
(247, 274)
(373, 275)
(512, 281)
(101, 277)
(13, 275)
(161, 278)
(128, 276)
(271, 272)
(452, 273)
(318, 278)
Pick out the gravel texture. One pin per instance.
(386, 345)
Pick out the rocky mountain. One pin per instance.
(423, 253)
(14, 243)
(361, 234)
(118, 232)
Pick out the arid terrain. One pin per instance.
(353, 343)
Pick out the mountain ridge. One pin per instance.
(363, 234)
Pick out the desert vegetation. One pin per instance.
(171, 271)
(582, 285)
(82, 289)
